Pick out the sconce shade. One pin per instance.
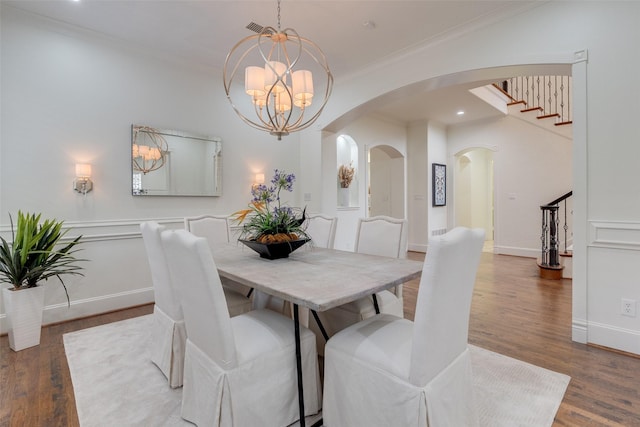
(259, 179)
(83, 184)
(83, 170)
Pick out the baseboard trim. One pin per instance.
(514, 251)
(57, 313)
(418, 247)
(626, 340)
(579, 331)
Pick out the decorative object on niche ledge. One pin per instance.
(149, 149)
(346, 174)
(280, 95)
(35, 254)
(273, 232)
(439, 184)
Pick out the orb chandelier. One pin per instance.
(148, 149)
(279, 71)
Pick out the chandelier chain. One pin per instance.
(278, 15)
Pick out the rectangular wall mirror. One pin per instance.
(174, 163)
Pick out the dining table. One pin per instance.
(314, 278)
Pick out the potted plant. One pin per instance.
(35, 255)
(272, 231)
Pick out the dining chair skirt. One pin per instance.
(168, 338)
(367, 381)
(265, 350)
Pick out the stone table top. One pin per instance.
(315, 278)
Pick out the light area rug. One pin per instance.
(115, 382)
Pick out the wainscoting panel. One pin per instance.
(116, 273)
(617, 235)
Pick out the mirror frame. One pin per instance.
(172, 137)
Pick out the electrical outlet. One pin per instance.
(628, 307)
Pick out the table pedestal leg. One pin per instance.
(375, 304)
(296, 321)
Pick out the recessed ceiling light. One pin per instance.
(369, 25)
(460, 113)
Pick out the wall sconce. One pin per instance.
(82, 183)
(258, 180)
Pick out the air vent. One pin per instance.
(257, 28)
(439, 232)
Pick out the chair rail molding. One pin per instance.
(113, 275)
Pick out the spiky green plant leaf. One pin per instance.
(37, 253)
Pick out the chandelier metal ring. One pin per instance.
(149, 149)
(282, 75)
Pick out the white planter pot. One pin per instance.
(343, 195)
(24, 316)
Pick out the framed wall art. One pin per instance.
(439, 184)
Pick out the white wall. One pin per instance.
(531, 168)
(70, 97)
(437, 153)
(417, 186)
(367, 132)
(600, 40)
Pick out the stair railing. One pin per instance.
(550, 222)
(549, 94)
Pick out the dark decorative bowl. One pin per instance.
(274, 250)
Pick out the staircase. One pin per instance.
(544, 101)
(556, 254)
(541, 100)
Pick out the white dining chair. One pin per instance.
(239, 371)
(168, 334)
(215, 229)
(322, 230)
(377, 235)
(388, 371)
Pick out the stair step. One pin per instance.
(564, 123)
(505, 93)
(566, 254)
(526, 110)
(516, 103)
(550, 272)
(548, 116)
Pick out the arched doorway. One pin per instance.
(385, 185)
(473, 192)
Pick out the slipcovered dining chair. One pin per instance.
(388, 371)
(377, 235)
(322, 230)
(239, 371)
(168, 334)
(215, 229)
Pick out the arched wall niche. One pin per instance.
(347, 169)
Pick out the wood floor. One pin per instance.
(513, 312)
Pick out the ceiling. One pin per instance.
(354, 34)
